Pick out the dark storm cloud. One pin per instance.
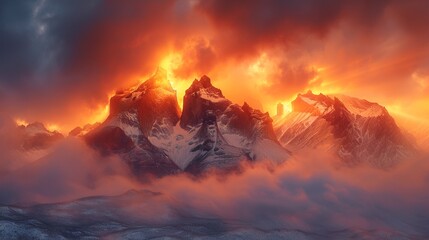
(63, 55)
(67, 56)
(253, 24)
(36, 38)
(360, 42)
(257, 23)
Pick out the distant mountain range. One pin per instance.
(147, 129)
(36, 136)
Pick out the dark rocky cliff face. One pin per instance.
(154, 100)
(201, 97)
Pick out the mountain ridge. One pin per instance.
(356, 130)
(147, 129)
(145, 126)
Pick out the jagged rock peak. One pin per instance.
(362, 107)
(158, 80)
(204, 87)
(205, 81)
(315, 97)
(315, 104)
(200, 97)
(252, 112)
(154, 101)
(322, 104)
(246, 107)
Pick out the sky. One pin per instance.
(61, 60)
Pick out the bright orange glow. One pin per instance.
(272, 108)
(21, 122)
(53, 127)
(399, 111)
(102, 112)
(170, 63)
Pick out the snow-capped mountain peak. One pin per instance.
(154, 101)
(362, 107)
(202, 96)
(143, 127)
(355, 129)
(204, 89)
(314, 104)
(158, 80)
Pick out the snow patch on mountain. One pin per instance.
(361, 107)
(356, 130)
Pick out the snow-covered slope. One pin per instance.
(135, 114)
(154, 101)
(216, 133)
(144, 129)
(122, 135)
(240, 126)
(212, 150)
(201, 148)
(356, 130)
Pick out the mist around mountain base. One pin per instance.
(74, 192)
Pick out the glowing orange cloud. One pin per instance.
(21, 122)
(170, 63)
(102, 112)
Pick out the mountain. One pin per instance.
(211, 148)
(146, 129)
(241, 126)
(36, 136)
(202, 96)
(215, 133)
(354, 129)
(154, 101)
(134, 115)
(81, 131)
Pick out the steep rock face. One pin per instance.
(379, 138)
(200, 97)
(213, 132)
(82, 131)
(240, 126)
(154, 101)
(134, 116)
(249, 122)
(211, 149)
(110, 139)
(35, 136)
(121, 135)
(356, 130)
